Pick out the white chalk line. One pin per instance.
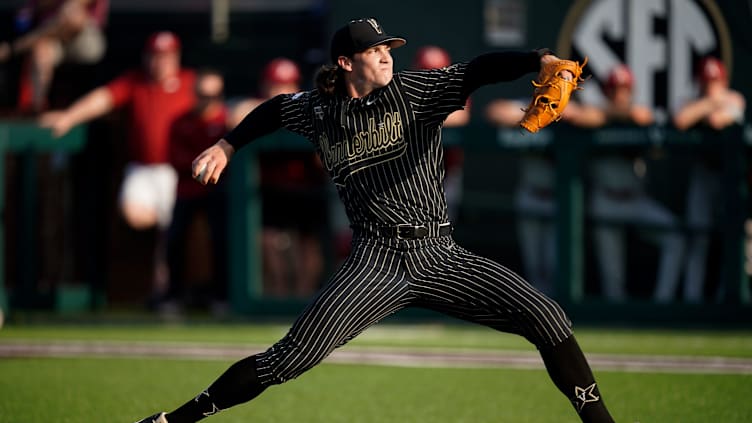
(406, 357)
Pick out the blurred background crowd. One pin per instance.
(652, 153)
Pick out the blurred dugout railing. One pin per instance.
(570, 147)
(27, 141)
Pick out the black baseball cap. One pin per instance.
(359, 35)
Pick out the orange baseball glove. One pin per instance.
(552, 92)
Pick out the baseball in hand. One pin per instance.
(201, 173)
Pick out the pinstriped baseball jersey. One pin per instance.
(384, 154)
(383, 151)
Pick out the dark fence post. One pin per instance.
(734, 280)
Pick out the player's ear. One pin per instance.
(345, 63)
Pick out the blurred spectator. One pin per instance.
(55, 31)
(433, 57)
(279, 76)
(190, 134)
(294, 199)
(155, 96)
(717, 107)
(618, 196)
(534, 197)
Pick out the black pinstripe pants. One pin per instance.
(384, 275)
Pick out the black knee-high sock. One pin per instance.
(570, 372)
(236, 385)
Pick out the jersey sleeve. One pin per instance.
(289, 111)
(435, 93)
(296, 113)
(121, 88)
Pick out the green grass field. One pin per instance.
(92, 389)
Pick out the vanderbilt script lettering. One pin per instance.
(365, 147)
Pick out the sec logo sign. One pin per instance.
(660, 40)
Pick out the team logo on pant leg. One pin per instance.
(214, 408)
(584, 396)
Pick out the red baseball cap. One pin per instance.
(162, 42)
(431, 57)
(712, 69)
(620, 76)
(281, 71)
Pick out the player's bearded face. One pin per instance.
(374, 66)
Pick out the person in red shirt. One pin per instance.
(155, 96)
(57, 31)
(189, 136)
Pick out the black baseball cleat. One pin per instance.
(157, 418)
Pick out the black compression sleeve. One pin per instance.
(495, 67)
(261, 121)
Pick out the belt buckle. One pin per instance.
(406, 231)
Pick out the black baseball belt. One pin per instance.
(418, 231)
